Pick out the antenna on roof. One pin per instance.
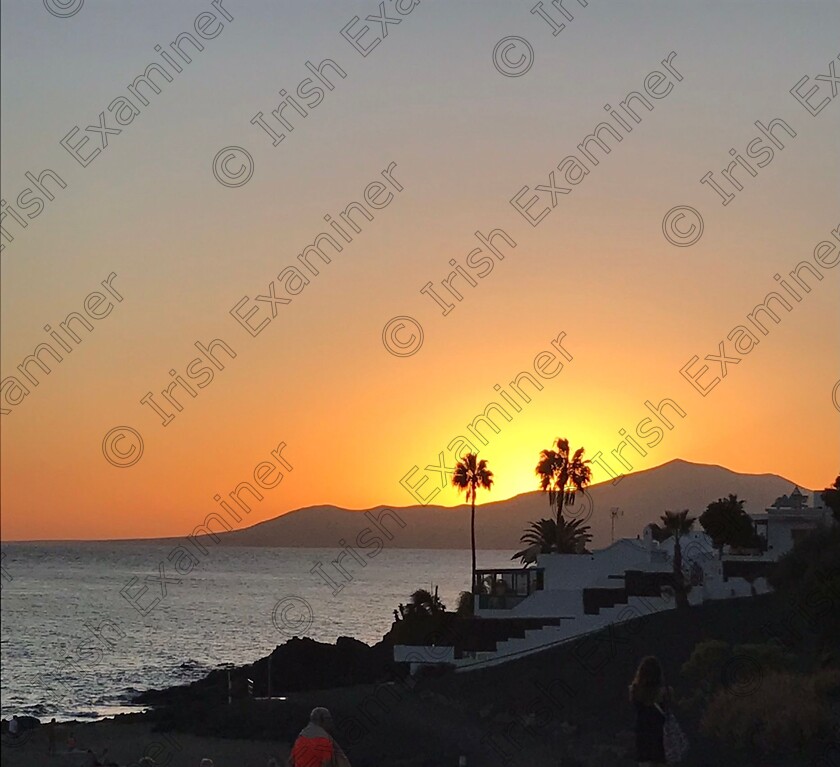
(614, 512)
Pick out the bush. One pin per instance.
(703, 671)
(766, 657)
(782, 711)
(827, 683)
(706, 662)
(465, 603)
(809, 575)
(420, 629)
(423, 621)
(714, 665)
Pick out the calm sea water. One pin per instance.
(234, 607)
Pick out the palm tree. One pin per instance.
(547, 536)
(573, 537)
(658, 533)
(469, 475)
(562, 476)
(423, 600)
(678, 523)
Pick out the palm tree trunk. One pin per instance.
(564, 480)
(680, 595)
(472, 538)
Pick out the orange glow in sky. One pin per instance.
(161, 264)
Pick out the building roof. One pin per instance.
(796, 500)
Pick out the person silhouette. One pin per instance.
(651, 699)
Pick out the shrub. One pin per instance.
(827, 683)
(766, 657)
(706, 662)
(809, 576)
(714, 664)
(420, 629)
(465, 603)
(423, 621)
(784, 711)
(703, 672)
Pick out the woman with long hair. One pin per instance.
(649, 695)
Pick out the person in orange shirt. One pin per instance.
(315, 746)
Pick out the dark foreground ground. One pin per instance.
(566, 706)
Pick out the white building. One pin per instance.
(566, 596)
(789, 519)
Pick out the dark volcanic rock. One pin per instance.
(24, 723)
(299, 664)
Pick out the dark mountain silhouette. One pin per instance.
(642, 497)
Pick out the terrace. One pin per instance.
(503, 589)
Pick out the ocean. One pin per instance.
(74, 647)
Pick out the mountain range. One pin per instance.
(640, 498)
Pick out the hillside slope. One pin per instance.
(642, 497)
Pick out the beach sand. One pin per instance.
(127, 741)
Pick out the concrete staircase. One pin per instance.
(538, 640)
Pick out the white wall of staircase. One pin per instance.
(537, 640)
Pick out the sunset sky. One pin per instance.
(465, 140)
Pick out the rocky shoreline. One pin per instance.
(298, 665)
(567, 705)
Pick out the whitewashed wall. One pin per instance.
(578, 571)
